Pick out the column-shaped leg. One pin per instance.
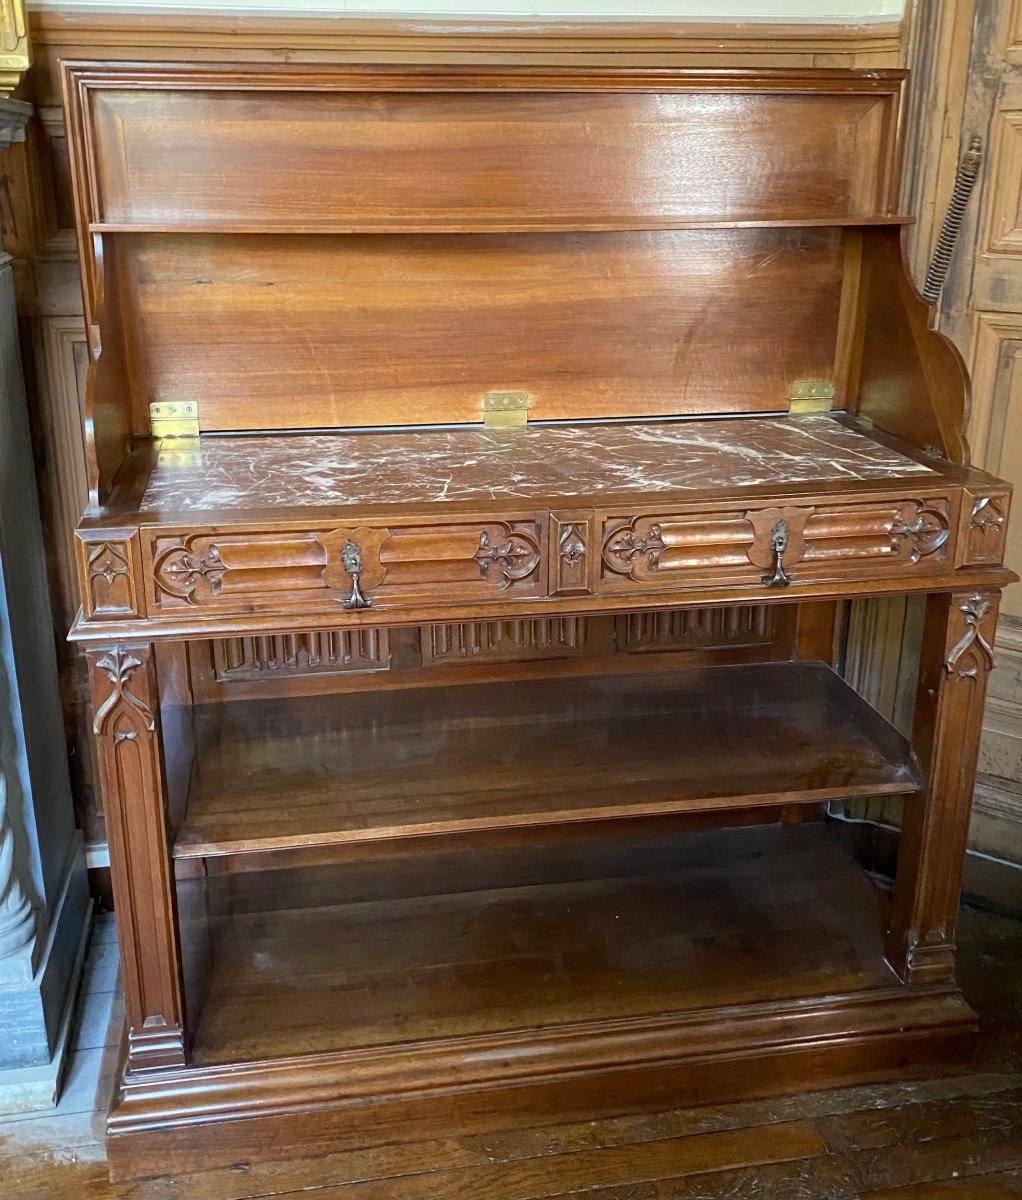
(127, 730)
(957, 655)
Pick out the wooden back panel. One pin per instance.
(299, 247)
(372, 149)
(408, 329)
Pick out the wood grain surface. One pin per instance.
(386, 765)
(414, 329)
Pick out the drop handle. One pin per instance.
(351, 560)
(778, 547)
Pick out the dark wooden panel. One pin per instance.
(415, 329)
(373, 767)
(370, 159)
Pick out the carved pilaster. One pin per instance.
(17, 919)
(126, 728)
(957, 656)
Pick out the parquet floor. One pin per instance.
(957, 1137)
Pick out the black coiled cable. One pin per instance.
(965, 180)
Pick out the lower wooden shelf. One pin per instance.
(461, 992)
(449, 946)
(315, 771)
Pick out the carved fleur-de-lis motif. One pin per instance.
(972, 649)
(179, 570)
(515, 558)
(927, 533)
(122, 711)
(629, 545)
(572, 546)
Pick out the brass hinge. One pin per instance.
(811, 396)
(505, 410)
(174, 419)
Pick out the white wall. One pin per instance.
(783, 11)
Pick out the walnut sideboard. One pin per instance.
(483, 463)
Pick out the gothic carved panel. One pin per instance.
(124, 695)
(983, 540)
(280, 656)
(504, 641)
(571, 538)
(697, 628)
(350, 568)
(110, 578)
(789, 543)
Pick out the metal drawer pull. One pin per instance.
(778, 545)
(351, 560)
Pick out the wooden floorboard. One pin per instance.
(957, 1137)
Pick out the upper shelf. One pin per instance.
(283, 149)
(625, 223)
(320, 771)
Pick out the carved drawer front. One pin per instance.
(776, 546)
(357, 567)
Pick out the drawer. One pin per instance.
(358, 567)
(777, 545)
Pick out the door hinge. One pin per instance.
(174, 419)
(811, 396)
(506, 410)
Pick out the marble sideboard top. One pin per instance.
(437, 465)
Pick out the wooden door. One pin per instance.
(966, 57)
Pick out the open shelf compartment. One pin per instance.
(454, 946)
(316, 771)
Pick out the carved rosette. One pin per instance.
(922, 529)
(506, 557)
(181, 570)
(122, 715)
(973, 653)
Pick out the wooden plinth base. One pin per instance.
(197, 1119)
